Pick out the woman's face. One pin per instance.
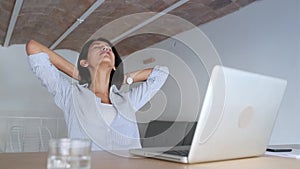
(100, 54)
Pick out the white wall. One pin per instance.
(264, 37)
(21, 91)
(23, 101)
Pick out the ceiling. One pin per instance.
(67, 24)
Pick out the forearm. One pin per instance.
(139, 76)
(33, 47)
(141, 94)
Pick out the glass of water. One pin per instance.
(69, 153)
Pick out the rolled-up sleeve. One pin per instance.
(141, 94)
(49, 75)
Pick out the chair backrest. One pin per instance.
(28, 139)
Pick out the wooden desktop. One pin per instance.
(106, 160)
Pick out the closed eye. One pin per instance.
(101, 47)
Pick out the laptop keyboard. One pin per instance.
(178, 152)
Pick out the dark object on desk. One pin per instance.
(279, 149)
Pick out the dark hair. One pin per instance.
(116, 77)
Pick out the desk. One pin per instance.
(104, 160)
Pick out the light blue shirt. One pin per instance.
(83, 114)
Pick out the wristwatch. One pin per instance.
(129, 80)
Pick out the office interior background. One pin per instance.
(263, 37)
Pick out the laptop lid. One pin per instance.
(236, 119)
(238, 115)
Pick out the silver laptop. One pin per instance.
(236, 119)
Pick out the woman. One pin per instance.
(95, 108)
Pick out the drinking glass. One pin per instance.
(69, 154)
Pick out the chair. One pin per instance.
(28, 139)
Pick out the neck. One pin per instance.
(100, 84)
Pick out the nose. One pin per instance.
(106, 48)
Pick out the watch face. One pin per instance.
(129, 80)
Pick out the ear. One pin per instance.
(83, 63)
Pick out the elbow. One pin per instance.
(32, 47)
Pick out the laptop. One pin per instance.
(235, 121)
